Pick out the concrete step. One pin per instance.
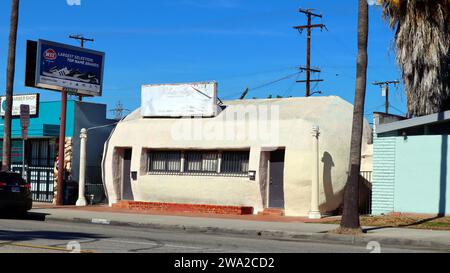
(272, 212)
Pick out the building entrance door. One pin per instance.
(276, 179)
(127, 192)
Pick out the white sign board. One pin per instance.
(32, 100)
(179, 100)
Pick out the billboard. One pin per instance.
(179, 100)
(78, 70)
(32, 100)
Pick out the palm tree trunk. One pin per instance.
(10, 70)
(350, 219)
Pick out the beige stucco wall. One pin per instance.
(295, 118)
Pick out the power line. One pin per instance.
(264, 85)
(275, 81)
(400, 111)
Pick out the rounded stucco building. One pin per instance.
(254, 153)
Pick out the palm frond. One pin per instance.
(423, 47)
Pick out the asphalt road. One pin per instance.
(35, 236)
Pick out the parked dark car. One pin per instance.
(15, 194)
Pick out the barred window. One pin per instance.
(211, 163)
(235, 162)
(201, 162)
(164, 161)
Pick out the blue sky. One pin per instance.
(239, 43)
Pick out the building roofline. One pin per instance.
(391, 115)
(413, 122)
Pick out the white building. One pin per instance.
(213, 160)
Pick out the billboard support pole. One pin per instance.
(62, 142)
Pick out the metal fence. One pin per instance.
(365, 193)
(41, 179)
(95, 191)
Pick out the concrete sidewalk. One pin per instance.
(286, 230)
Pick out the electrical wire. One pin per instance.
(275, 81)
(288, 91)
(395, 108)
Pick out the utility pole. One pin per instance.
(118, 111)
(386, 86)
(309, 14)
(82, 39)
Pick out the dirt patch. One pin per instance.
(433, 223)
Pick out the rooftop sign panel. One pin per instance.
(179, 100)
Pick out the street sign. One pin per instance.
(24, 119)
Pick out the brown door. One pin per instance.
(276, 179)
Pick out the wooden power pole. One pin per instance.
(309, 14)
(62, 133)
(82, 39)
(386, 86)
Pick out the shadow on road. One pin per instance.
(13, 235)
(30, 216)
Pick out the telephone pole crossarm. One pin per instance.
(310, 26)
(302, 81)
(81, 38)
(309, 13)
(315, 70)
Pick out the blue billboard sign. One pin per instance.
(77, 70)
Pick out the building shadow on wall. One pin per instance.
(443, 178)
(335, 199)
(328, 165)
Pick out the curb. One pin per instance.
(268, 234)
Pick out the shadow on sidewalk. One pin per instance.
(366, 230)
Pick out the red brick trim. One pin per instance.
(187, 208)
(272, 212)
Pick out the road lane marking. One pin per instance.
(151, 244)
(100, 221)
(44, 247)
